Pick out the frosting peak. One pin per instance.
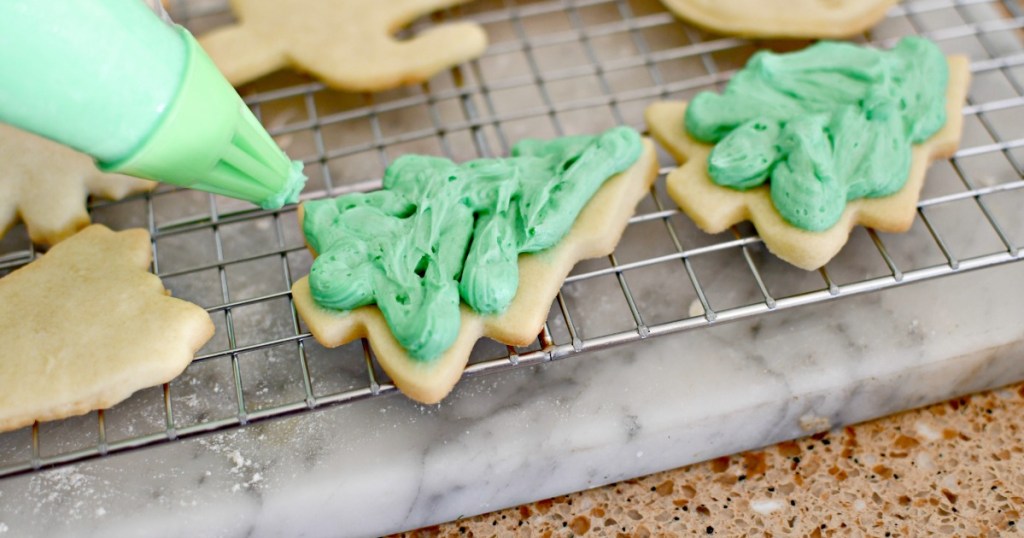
(831, 123)
(440, 233)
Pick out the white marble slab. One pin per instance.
(500, 440)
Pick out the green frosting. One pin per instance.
(439, 232)
(290, 191)
(831, 123)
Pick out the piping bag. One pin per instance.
(114, 80)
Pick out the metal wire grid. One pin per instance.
(486, 126)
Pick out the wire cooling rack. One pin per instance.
(554, 67)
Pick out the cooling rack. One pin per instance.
(554, 67)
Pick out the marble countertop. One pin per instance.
(387, 465)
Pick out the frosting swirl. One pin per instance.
(439, 232)
(831, 123)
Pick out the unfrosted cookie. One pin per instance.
(425, 378)
(86, 325)
(714, 208)
(349, 44)
(46, 184)
(783, 18)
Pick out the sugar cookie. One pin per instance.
(595, 232)
(349, 44)
(783, 18)
(86, 325)
(46, 184)
(714, 208)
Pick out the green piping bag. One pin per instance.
(111, 79)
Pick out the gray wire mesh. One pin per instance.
(554, 67)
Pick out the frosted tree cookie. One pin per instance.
(348, 44)
(46, 184)
(446, 254)
(809, 144)
(783, 18)
(86, 325)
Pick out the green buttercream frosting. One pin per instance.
(439, 232)
(831, 123)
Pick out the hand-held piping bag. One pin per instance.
(112, 80)
(831, 123)
(440, 233)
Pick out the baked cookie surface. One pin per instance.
(714, 208)
(595, 232)
(783, 18)
(46, 184)
(348, 44)
(86, 325)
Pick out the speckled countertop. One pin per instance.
(953, 469)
